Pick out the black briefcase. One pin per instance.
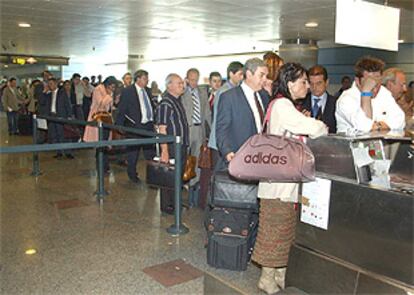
(227, 192)
(25, 124)
(160, 174)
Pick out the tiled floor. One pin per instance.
(92, 248)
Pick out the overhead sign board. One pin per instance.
(365, 24)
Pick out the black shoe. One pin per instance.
(168, 210)
(58, 156)
(69, 156)
(135, 180)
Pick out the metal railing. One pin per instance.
(153, 138)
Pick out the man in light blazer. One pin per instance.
(241, 111)
(135, 110)
(197, 109)
(12, 100)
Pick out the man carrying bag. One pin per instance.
(171, 120)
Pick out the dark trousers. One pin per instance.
(12, 118)
(132, 157)
(57, 135)
(167, 194)
(78, 111)
(86, 106)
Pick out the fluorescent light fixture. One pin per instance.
(24, 25)
(311, 24)
(31, 60)
(401, 41)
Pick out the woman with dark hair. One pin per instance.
(101, 102)
(277, 216)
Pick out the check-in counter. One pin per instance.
(368, 246)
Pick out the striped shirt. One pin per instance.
(171, 113)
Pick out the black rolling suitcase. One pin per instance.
(231, 237)
(167, 200)
(24, 124)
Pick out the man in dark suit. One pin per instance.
(319, 103)
(241, 111)
(58, 105)
(135, 110)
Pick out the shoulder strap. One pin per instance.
(266, 120)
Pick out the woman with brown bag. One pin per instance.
(277, 216)
(101, 105)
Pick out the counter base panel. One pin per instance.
(315, 273)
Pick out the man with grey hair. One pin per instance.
(197, 109)
(395, 81)
(172, 120)
(241, 111)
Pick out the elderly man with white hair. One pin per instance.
(172, 120)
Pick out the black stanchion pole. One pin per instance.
(36, 168)
(178, 228)
(101, 189)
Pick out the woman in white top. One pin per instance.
(277, 217)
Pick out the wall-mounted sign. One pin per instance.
(365, 24)
(19, 61)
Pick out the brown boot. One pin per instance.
(267, 282)
(280, 275)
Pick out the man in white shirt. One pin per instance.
(135, 110)
(58, 105)
(368, 106)
(241, 111)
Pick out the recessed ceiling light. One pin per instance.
(24, 25)
(311, 24)
(6, 66)
(401, 41)
(30, 251)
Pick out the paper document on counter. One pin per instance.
(315, 202)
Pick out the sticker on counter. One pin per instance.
(315, 202)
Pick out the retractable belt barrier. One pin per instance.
(177, 228)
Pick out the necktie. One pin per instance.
(147, 104)
(315, 108)
(196, 109)
(259, 108)
(211, 100)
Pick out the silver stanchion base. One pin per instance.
(181, 230)
(36, 173)
(101, 195)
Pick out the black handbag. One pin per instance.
(228, 192)
(160, 174)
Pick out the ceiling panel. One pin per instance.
(80, 28)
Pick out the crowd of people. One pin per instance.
(225, 116)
